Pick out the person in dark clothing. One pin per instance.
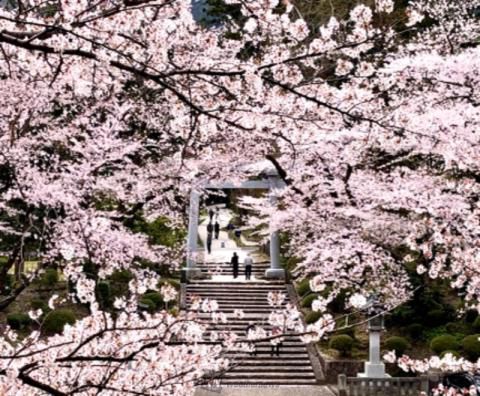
(251, 327)
(210, 214)
(217, 229)
(277, 343)
(238, 233)
(210, 228)
(248, 267)
(209, 242)
(234, 262)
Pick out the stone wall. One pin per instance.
(332, 369)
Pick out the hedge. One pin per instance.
(476, 324)
(313, 316)
(443, 343)
(397, 344)
(454, 353)
(18, 320)
(415, 330)
(147, 304)
(40, 304)
(155, 297)
(56, 320)
(50, 277)
(303, 287)
(307, 301)
(437, 317)
(342, 343)
(471, 347)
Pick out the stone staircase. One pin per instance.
(293, 367)
(212, 268)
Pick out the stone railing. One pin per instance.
(394, 386)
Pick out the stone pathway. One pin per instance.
(260, 374)
(262, 391)
(217, 263)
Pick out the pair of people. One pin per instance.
(213, 228)
(211, 213)
(276, 342)
(210, 230)
(248, 266)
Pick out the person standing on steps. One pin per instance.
(276, 342)
(234, 262)
(250, 329)
(209, 228)
(209, 242)
(248, 267)
(210, 214)
(217, 229)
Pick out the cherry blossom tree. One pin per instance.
(113, 108)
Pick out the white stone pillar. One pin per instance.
(374, 368)
(192, 233)
(275, 270)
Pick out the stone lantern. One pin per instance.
(374, 368)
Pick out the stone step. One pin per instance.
(269, 362)
(265, 356)
(248, 294)
(240, 301)
(269, 374)
(230, 267)
(262, 349)
(227, 310)
(262, 368)
(258, 383)
(238, 285)
(245, 307)
(244, 289)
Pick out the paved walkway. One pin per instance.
(267, 391)
(262, 374)
(224, 247)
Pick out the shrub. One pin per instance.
(471, 315)
(303, 287)
(401, 316)
(443, 343)
(56, 320)
(476, 324)
(342, 343)
(398, 344)
(471, 347)
(155, 297)
(458, 328)
(312, 317)
(147, 304)
(174, 283)
(338, 303)
(103, 294)
(339, 328)
(307, 301)
(50, 277)
(18, 320)
(40, 304)
(454, 353)
(415, 330)
(123, 276)
(436, 317)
